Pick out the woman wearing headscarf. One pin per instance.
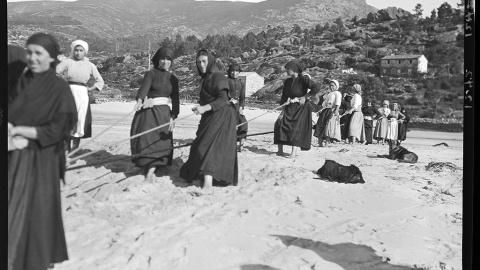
(77, 71)
(382, 122)
(41, 113)
(328, 124)
(392, 129)
(213, 153)
(152, 110)
(356, 130)
(237, 98)
(402, 126)
(294, 126)
(369, 112)
(345, 118)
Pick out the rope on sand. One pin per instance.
(132, 137)
(92, 139)
(155, 128)
(146, 154)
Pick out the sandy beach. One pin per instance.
(280, 216)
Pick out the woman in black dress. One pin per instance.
(403, 126)
(41, 113)
(213, 153)
(152, 110)
(294, 125)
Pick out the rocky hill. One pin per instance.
(348, 50)
(123, 18)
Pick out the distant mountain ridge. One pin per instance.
(117, 18)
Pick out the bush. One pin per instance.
(412, 101)
(445, 85)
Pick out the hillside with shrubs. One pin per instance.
(347, 49)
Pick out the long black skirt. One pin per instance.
(322, 121)
(345, 125)
(154, 141)
(243, 129)
(88, 124)
(214, 150)
(402, 131)
(36, 236)
(294, 126)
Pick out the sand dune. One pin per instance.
(281, 216)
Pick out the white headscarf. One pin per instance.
(81, 43)
(336, 83)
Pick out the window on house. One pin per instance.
(411, 61)
(399, 71)
(393, 71)
(399, 61)
(388, 62)
(409, 71)
(384, 71)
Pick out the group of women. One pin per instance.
(46, 114)
(391, 124)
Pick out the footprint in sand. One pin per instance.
(335, 209)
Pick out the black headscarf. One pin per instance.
(232, 67)
(49, 43)
(162, 53)
(211, 66)
(294, 66)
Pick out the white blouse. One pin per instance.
(332, 99)
(356, 103)
(80, 71)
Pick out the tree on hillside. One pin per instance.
(418, 10)
(179, 46)
(167, 42)
(191, 44)
(296, 29)
(434, 15)
(445, 12)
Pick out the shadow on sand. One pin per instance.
(347, 255)
(257, 267)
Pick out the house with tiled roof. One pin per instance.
(403, 65)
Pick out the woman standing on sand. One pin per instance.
(380, 132)
(294, 126)
(328, 124)
(402, 126)
(41, 113)
(78, 70)
(213, 154)
(152, 110)
(356, 129)
(237, 98)
(392, 130)
(369, 112)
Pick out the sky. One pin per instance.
(408, 5)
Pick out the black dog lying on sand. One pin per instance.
(401, 154)
(336, 172)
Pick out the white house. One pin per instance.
(252, 82)
(403, 65)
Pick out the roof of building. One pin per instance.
(403, 56)
(248, 73)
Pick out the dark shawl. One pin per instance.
(162, 53)
(35, 227)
